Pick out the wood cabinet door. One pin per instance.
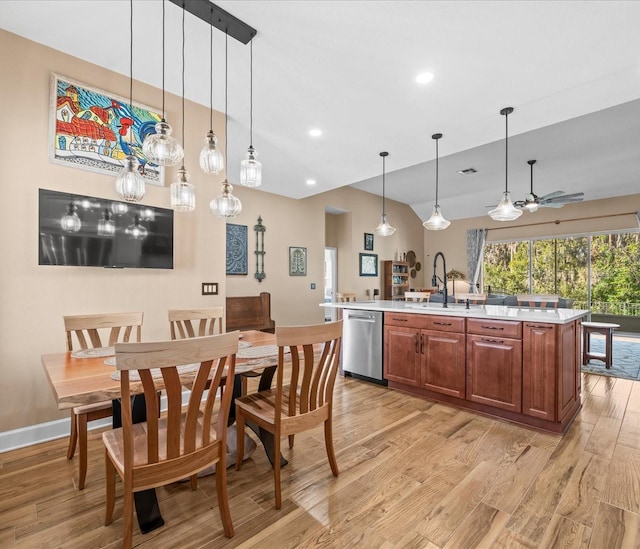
(494, 372)
(442, 363)
(539, 370)
(568, 363)
(401, 355)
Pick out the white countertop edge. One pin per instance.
(498, 312)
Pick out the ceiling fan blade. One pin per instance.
(552, 204)
(551, 195)
(575, 197)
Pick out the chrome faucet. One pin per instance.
(435, 277)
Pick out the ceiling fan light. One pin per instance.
(531, 206)
(384, 228)
(436, 222)
(505, 210)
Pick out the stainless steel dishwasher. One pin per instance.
(362, 345)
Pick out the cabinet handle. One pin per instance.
(399, 319)
(537, 326)
(442, 323)
(421, 344)
(492, 327)
(493, 340)
(416, 336)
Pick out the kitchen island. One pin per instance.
(519, 364)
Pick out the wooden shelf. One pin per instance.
(396, 279)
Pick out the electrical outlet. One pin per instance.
(209, 288)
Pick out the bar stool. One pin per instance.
(604, 328)
(345, 296)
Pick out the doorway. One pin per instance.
(330, 282)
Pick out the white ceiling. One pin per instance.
(571, 70)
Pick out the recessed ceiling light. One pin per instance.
(315, 132)
(424, 77)
(311, 181)
(467, 171)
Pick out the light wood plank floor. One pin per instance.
(413, 474)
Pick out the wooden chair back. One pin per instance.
(473, 298)
(187, 323)
(87, 328)
(417, 296)
(540, 301)
(345, 296)
(252, 312)
(182, 442)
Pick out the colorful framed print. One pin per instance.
(95, 130)
(368, 241)
(297, 261)
(368, 264)
(236, 249)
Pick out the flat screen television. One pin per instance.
(96, 232)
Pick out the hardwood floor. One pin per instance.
(413, 473)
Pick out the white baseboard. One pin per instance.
(52, 430)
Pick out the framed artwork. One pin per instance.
(368, 264)
(297, 261)
(368, 241)
(236, 249)
(95, 130)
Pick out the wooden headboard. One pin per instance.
(252, 312)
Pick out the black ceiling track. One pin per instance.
(220, 19)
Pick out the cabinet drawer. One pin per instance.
(400, 319)
(442, 323)
(496, 328)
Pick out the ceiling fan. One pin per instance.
(556, 199)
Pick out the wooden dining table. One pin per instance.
(79, 381)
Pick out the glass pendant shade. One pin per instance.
(226, 205)
(70, 222)
(211, 160)
(129, 183)
(106, 226)
(384, 228)
(436, 222)
(183, 193)
(135, 230)
(505, 210)
(162, 149)
(251, 170)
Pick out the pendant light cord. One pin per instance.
(163, 30)
(183, 12)
(506, 153)
(251, 95)
(131, 60)
(226, 75)
(383, 171)
(211, 72)
(437, 173)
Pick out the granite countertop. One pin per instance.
(497, 312)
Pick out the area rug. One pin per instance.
(626, 357)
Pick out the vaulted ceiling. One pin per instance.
(570, 69)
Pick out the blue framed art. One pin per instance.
(236, 249)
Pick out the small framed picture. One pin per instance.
(368, 264)
(368, 241)
(297, 261)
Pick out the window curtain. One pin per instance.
(476, 239)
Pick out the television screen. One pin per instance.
(96, 232)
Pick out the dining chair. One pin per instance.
(182, 442)
(185, 323)
(417, 296)
(476, 299)
(303, 396)
(85, 330)
(539, 301)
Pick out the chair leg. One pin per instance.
(243, 381)
(110, 480)
(240, 438)
(223, 497)
(82, 440)
(127, 533)
(276, 469)
(328, 442)
(73, 437)
(193, 481)
(291, 439)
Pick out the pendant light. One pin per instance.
(106, 225)
(130, 184)
(505, 210)
(250, 167)
(211, 161)
(226, 205)
(183, 193)
(436, 222)
(160, 148)
(136, 231)
(70, 222)
(384, 228)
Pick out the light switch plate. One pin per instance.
(209, 288)
(313, 285)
